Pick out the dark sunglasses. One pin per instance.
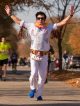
(40, 18)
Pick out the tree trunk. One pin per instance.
(60, 51)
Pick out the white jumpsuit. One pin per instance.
(39, 41)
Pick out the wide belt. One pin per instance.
(39, 53)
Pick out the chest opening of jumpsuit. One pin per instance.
(39, 38)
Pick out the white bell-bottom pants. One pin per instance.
(38, 74)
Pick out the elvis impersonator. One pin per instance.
(39, 33)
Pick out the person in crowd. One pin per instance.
(5, 49)
(9, 61)
(14, 60)
(23, 61)
(65, 59)
(51, 51)
(39, 32)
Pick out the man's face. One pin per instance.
(40, 19)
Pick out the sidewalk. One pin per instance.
(56, 93)
(15, 93)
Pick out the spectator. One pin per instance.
(22, 61)
(51, 51)
(65, 59)
(14, 60)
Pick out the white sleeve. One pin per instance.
(25, 24)
(55, 26)
(21, 23)
(52, 26)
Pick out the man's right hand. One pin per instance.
(13, 17)
(7, 9)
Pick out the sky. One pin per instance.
(28, 15)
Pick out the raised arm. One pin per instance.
(14, 18)
(64, 21)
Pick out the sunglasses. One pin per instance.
(40, 18)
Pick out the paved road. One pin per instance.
(56, 93)
(22, 74)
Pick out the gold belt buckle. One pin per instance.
(39, 53)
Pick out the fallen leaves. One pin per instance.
(74, 82)
(71, 78)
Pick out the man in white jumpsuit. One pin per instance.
(39, 33)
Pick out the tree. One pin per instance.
(74, 40)
(62, 6)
